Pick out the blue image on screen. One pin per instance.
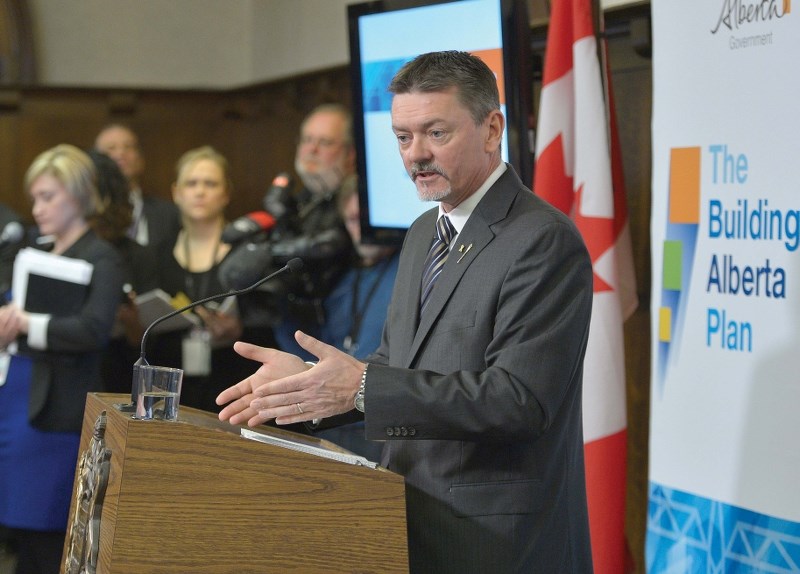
(384, 36)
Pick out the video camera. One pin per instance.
(250, 235)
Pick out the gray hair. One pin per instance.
(337, 109)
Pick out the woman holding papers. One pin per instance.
(189, 272)
(59, 321)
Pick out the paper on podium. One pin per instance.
(349, 458)
(47, 283)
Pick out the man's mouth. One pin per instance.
(424, 174)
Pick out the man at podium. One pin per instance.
(476, 387)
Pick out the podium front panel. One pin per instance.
(195, 496)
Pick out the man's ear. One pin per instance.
(496, 123)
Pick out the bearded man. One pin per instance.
(312, 228)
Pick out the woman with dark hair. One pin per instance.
(111, 223)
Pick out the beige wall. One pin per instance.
(296, 36)
(185, 43)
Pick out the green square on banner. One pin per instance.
(672, 271)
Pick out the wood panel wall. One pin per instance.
(17, 62)
(256, 129)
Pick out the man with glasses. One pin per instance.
(312, 227)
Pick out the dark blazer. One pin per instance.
(480, 405)
(163, 222)
(70, 367)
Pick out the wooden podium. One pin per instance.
(195, 496)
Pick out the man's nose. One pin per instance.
(418, 150)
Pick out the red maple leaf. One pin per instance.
(598, 234)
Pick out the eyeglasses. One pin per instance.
(323, 143)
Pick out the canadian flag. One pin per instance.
(579, 170)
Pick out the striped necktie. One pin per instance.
(437, 255)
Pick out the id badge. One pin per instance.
(197, 353)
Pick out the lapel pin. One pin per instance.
(463, 251)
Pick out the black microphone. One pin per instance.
(246, 226)
(277, 199)
(12, 234)
(294, 265)
(245, 264)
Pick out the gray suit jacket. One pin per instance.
(480, 404)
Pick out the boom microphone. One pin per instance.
(12, 234)
(294, 265)
(246, 226)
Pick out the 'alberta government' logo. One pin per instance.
(742, 17)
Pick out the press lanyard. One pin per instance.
(350, 345)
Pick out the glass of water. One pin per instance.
(158, 392)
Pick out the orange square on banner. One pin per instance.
(684, 185)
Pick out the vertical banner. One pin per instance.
(724, 492)
(578, 170)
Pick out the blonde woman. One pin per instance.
(56, 364)
(189, 271)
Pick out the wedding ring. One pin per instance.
(299, 408)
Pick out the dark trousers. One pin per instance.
(37, 552)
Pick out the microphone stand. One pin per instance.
(293, 265)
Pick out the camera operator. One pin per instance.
(306, 225)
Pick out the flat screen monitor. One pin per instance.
(384, 35)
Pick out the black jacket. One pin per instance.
(70, 366)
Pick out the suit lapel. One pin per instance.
(407, 284)
(479, 237)
(478, 233)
